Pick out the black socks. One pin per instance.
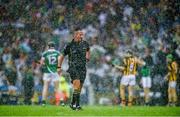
(76, 97)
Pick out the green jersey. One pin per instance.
(145, 71)
(51, 61)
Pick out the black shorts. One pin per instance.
(77, 74)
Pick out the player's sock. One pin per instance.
(129, 103)
(78, 100)
(147, 103)
(169, 103)
(73, 102)
(78, 107)
(123, 102)
(75, 96)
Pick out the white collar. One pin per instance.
(51, 49)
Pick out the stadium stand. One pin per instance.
(110, 26)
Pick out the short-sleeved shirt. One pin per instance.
(76, 52)
(172, 70)
(145, 71)
(130, 66)
(51, 60)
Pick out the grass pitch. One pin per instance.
(88, 111)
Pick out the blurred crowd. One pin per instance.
(147, 27)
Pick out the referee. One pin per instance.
(78, 53)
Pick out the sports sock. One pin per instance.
(74, 97)
(78, 99)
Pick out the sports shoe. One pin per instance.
(62, 104)
(122, 105)
(43, 103)
(129, 104)
(79, 108)
(169, 104)
(173, 104)
(147, 104)
(73, 107)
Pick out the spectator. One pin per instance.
(28, 83)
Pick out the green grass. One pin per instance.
(88, 111)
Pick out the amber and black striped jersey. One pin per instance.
(130, 65)
(172, 71)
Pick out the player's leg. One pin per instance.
(122, 94)
(147, 85)
(77, 78)
(144, 84)
(123, 84)
(82, 78)
(46, 81)
(132, 83)
(130, 96)
(73, 76)
(56, 85)
(76, 93)
(146, 93)
(174, 94)
(79, 87)
(169, 94)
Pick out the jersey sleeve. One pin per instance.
(43, 54)
(174, 66)
(58, 53)
(124, 61)
(66, 50)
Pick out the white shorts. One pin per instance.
(51, 77)
(172, 84)
(128, 80)
(146, 82)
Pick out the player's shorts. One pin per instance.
(172, 84)
(77, 74)
(146, 82)
(51, 77)
(128, 80)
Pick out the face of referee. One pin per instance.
(78, 35)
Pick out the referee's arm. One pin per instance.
(88, 53)
(64, 53)
(60, 60)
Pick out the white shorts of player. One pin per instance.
(51, 77)
(172, 84)
(146, 82)
(128, 80)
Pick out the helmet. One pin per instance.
(129, 53)
(169, 56)
(51, 44)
